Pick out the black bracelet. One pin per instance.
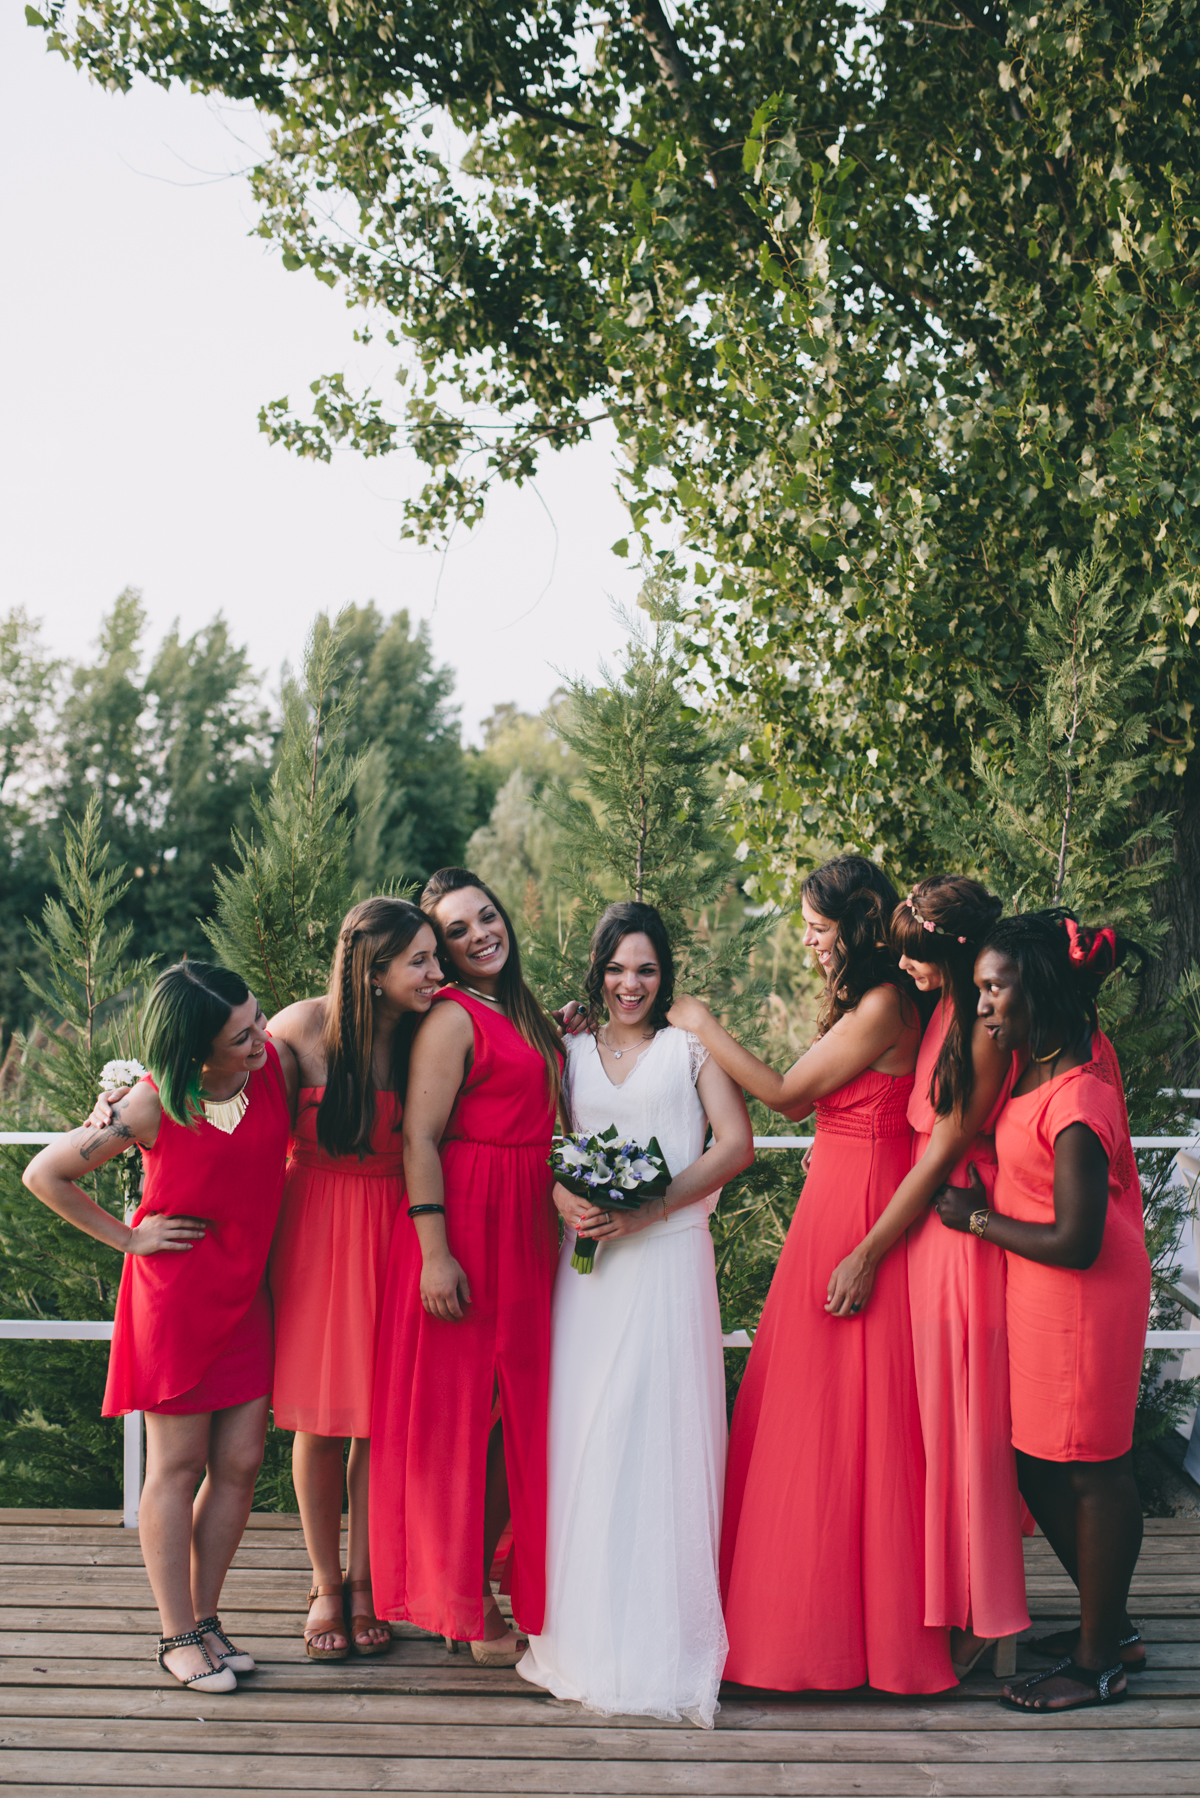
(420, 1210)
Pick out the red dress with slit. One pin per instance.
(435, 1379)
(1076, 1336)
(974, 1562)
(193, 1327)
(822, 1553)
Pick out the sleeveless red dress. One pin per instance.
(435, 1380)
(1076, 1336)
(328, 1266)
(193, 1328)
(822, 1553)
(974, 1562)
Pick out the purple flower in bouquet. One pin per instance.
(629, 1173)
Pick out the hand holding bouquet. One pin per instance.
(619, 1176)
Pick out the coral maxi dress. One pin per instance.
(822, 1555)
(974, 1563)
(193, 1331)
(436, 1379)
(328, 1266)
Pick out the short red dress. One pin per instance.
(822, 1551)
(1076, 1336)
(974, 1562)
(435, 1380)
(327, 1270)
(193, 1327)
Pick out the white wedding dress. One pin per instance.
(637, 1427)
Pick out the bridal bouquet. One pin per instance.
(619, 1176)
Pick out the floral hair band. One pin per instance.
(928, 923)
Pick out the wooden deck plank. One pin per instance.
(538, 1711)
(534, 1779)
(84, 1711)
(226, 1735)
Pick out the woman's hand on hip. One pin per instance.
(158, 1232)
(850, 1284)
(444, 1289)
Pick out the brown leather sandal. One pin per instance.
(333, 1626)
(363, 1620)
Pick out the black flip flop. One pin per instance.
(1084, 1676)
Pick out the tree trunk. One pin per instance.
(1177, 899)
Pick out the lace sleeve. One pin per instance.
(697, 1055)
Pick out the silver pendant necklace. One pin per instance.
(617, 1053)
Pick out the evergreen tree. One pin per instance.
(415, 802)
(278, 911)
(55, 1449)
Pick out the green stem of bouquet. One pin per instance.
(584, 1258)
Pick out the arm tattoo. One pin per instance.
(98, 1139)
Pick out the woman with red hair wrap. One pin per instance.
(1068, 1213)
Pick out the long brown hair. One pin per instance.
(372, 934)
(944, 920)
(858, 897)
(521, 1008)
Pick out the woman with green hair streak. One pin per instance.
(192, 1343)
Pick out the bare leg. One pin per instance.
(358, 1553)
(176, 1453)
(222, 1505)
(1092, 1518)
(496, 1512)
(319, 1476)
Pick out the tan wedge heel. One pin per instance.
(361, 1620)
(336, 1626)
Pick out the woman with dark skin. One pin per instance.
(1068, 1216)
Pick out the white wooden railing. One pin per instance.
(40, 1329)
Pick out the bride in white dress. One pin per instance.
(637, 1387)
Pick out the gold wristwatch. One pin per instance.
(979, 1223)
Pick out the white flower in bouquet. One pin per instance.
(119, 1073)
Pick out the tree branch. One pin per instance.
(674, 67)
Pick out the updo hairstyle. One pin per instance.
(944, 920)
(1062, 965)
(629, 917)
(858, 897)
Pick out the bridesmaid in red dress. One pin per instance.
(822, 1552)
(192, 1342)
(462, 1378)
(341, 1198)
(974, 1564)
(1068, 1214)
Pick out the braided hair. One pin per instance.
(858, 897)
(1062, 965)
(944, 920)
(373, 933)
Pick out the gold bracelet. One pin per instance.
(979, 1223)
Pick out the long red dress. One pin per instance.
(822, 1556)
(328, 1266)
(435, 1379)
(1076, 1336)
(974, 1563)
(193, 1328)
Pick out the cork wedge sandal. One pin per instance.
(333, 1626)
(364, 1620)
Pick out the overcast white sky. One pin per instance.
(141, 328)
